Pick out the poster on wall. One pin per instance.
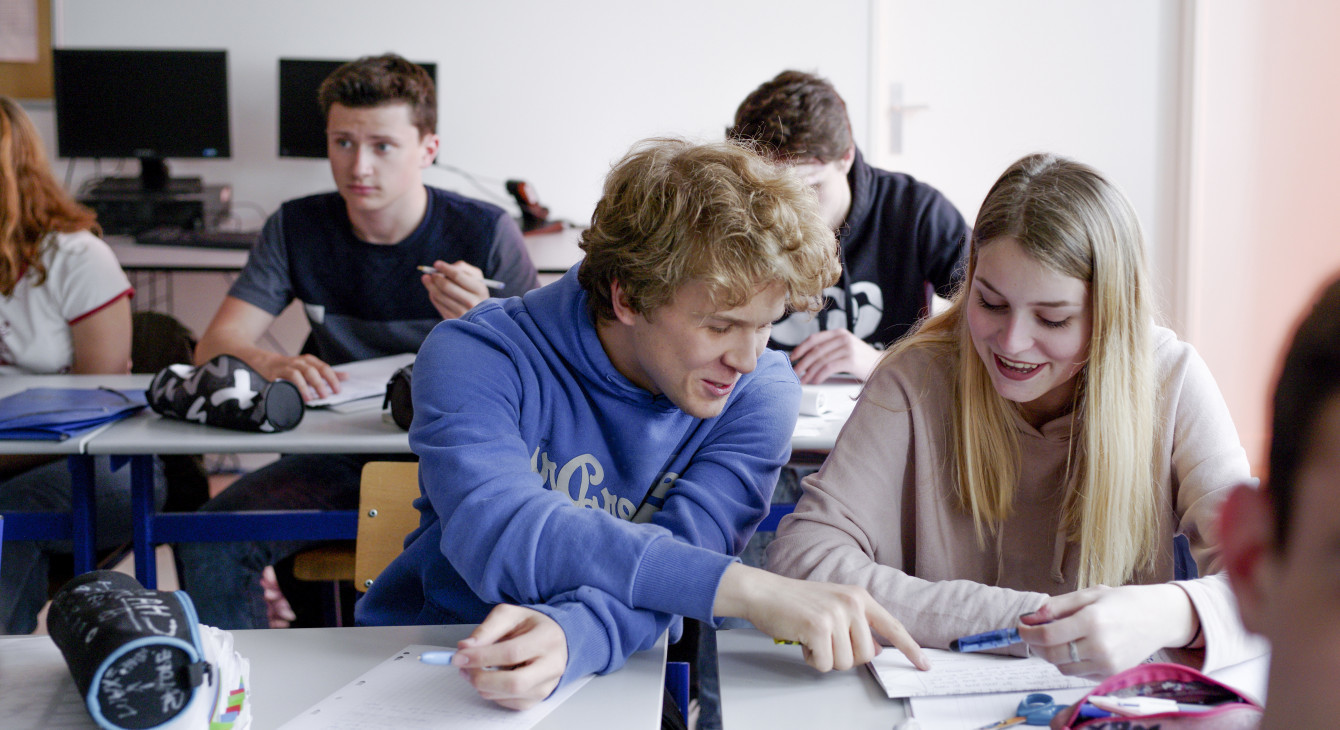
(18, 31)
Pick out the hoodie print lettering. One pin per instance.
(577, 480)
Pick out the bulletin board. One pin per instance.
(31, 80)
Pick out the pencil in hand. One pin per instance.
(490, 283)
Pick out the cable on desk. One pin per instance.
(473, 180)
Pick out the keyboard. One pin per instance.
(173, 236)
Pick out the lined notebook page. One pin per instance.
(403, 692)
(953, 673)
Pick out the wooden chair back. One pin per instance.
(386, 515)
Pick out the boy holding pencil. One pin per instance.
(352, 258)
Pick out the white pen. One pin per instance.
(490, 283)
(437, 657)
(1130, 706)
(443, 658)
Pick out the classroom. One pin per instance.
(1212, 118)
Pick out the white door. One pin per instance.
(962, 88)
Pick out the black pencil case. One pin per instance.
(135, 654)
(228, 393)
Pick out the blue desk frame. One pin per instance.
(153, 528)
(78, 525)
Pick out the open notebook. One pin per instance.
(953, 673)
(367, 379)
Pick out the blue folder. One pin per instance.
(55, 414)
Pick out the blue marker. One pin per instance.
(989, 640)
(437, 657)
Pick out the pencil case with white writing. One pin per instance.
(138, 659)
(228, 393)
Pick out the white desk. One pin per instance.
(147, 257)
(293, 669)
(322, 431)
(816, 435)
(770, 687)
(552, 253)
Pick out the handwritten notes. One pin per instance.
(963, 674)
(402, 692)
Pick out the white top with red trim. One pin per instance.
(83, 277)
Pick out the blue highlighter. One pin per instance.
(989, 640)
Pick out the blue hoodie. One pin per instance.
(535, 452)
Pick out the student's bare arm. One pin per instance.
(236, 329)
(101, 341)
(101, 344)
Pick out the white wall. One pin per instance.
(1098, 82)
(550, 92)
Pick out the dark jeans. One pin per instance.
(46, 488)
(223, 578)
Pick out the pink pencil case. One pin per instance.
(1229, 709)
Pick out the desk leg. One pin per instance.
(83, 513)
(142, 514)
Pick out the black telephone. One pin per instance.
(534, 217)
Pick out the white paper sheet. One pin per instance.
(367, 379)
(953, 673)
(403, 692)
(828, 401)
(970, 712)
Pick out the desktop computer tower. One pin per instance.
(123, 211)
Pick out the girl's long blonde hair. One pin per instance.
(32, 203)
(1074, 222)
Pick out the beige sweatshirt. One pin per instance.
(881, 512)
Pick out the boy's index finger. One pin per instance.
(893, 630)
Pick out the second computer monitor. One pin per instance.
(302, 127)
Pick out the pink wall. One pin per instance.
(1265, 190)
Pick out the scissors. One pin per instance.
(1035, 709)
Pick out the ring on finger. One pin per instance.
(1074, 652)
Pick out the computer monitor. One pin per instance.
(147, 104)
(302, 127)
